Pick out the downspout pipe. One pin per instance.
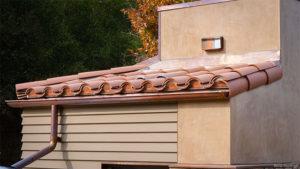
(53, 141)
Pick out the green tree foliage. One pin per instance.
(48, 38)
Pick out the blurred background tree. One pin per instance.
(144, 21)
(48, 38)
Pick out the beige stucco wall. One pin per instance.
(266, 121)
(204, 132)
(247, 26)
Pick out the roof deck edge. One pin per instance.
(220, 94)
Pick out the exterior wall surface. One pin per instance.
(266, 122)
(91, 135)
(246, 25)
(204, 133)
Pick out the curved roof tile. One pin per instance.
(133, 79)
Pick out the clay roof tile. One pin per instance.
(264, 65)
(132, 79)
(274, 74)
(246, 70)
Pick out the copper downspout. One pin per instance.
(53, 141)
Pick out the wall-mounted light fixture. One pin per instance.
(213, 43)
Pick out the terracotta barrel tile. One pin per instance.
(113, 87)
(237, 86)
(73, 81)
(116, 83)
(264, 65)
(109, 75)
(182, 80)
(39, 89)
(21, 94)
(274, 74)
(172, 70)
(218, 72)
(213, 68)
(152, 71)
(171, 85)
(128, 68)
(96, 84)
(68, 92)
(87, 91)
(49, 93)
(93, 74)
(128, 88)
(195, 84)
(56, 90)
(257, 79)
(220, 84)
(109, 90)
(198, 73)
(131, 79)
(36, 92)
(115, 78)
(61, 79)
(246, 70)
(133, 86)
(173, 74)
(31, 94)
(149, 76)
(194, 69)
(101, 78)
(27, 85)
(76, 87)
(154, 85)
(137, 83)
(205, 78)
(106, 88)
(133, 73)
(157, 82)
(236, 66)
(150, 88)
(230, 75)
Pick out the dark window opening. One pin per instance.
(109, 166)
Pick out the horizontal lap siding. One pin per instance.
(109, 156)
(105, 137)
(111, 147)
(104, 128)
(59, 164)
(139, 133)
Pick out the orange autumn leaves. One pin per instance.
(144, 21)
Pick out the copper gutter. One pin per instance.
(53, 141)
(219, 94)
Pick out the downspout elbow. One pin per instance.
(52, 145)
(53, 142)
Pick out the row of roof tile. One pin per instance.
(127, 80)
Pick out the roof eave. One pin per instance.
(204, 95)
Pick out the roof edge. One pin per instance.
(220, 94)
(190, 4)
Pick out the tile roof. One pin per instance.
(134, 79)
